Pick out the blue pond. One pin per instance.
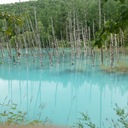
(64, 89)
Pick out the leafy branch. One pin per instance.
(113, 26)
(11, 22)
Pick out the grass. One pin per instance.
(121, 120)
(29, 126)
(121, 67)
(12, 117)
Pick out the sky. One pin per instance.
(10, 1)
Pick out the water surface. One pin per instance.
(64, 89)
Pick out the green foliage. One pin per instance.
(11, 115)
(85, 121)
(121, 122)
(121, 1)
(122, 113)
(84, 11)
(121, 67)
(113, 26)
(10, 22)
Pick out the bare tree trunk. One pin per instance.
(93, 30)
(38, 38)
(89, 42)
(2, 48)
(71, 38)
(123, 45)
(67, 31)
(25, 45)
(78, 39)
(100, 24)
(92, 49)
(74, 31)
(50, 55)
(100, 14)
(112, 51)
(84, 40)
(116, 46)
(86, 37)
(7, 42)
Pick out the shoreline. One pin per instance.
(32, 126)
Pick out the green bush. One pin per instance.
(121, 122)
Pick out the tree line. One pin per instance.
(79, 24)
(66, 16)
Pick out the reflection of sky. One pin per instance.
(65, 91)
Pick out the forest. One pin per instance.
(81, 25)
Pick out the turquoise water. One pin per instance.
(64, 89)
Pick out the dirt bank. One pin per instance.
(18, 126)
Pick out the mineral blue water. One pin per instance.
(65, 90)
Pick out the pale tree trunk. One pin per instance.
(17, 44)
(1, 48)
(100, 24)
(55, 41)
(50, 54)
(38, 38)
(35, 40)
(71, 38)
(53, 35)
(78, 39)
(123, 45)
(89, 38)
(21, 47)
(93, 30)
(74, 30)
(86, 37)
(116, 46)
(112, 51)
(92, 49)
(29, 23)
(84, 40)
(10, 55)
(25, 45)
(7, 42)
(100, 14)
(67, 31)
